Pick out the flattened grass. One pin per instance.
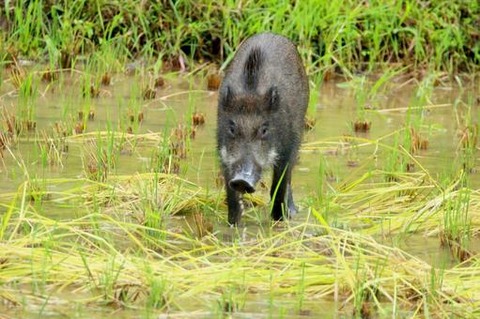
(109, 255)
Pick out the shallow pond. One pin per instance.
(332, 152)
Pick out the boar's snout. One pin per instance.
(242, 183)
(245, 177)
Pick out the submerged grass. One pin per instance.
(152, 241)
(112, 254)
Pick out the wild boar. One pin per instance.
(261, 110)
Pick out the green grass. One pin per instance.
(346, 36)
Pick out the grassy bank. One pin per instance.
(342, 37)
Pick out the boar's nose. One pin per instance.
(242, 183)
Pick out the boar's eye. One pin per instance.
(263, 131)
(231, 128)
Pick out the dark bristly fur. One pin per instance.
(261, 108)
(252, 67)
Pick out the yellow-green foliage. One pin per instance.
(108, 255)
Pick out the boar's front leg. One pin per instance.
(281, 193)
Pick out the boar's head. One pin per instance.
(246, 135)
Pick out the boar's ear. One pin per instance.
(226, 97)
(272, 98)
